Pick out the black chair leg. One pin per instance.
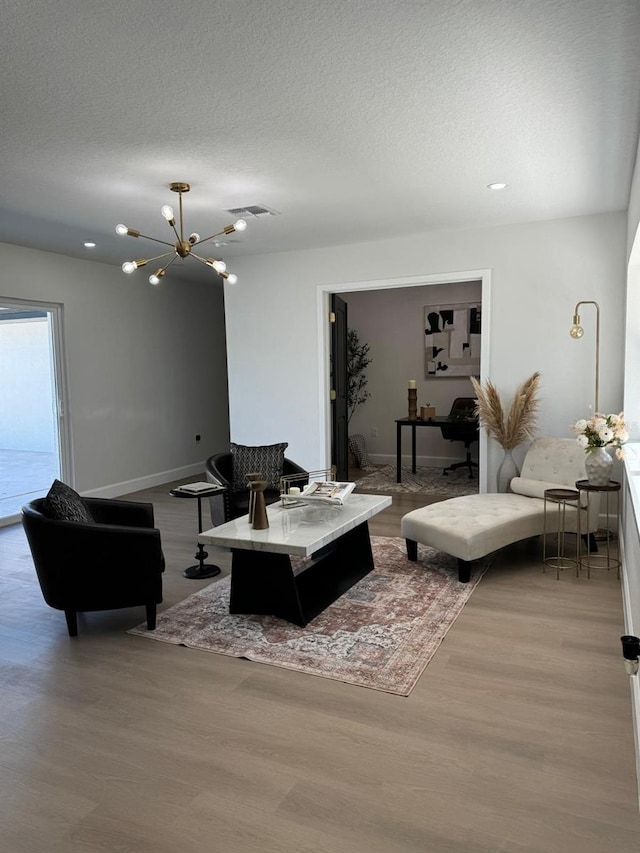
(466, 464)
(464, 571)
(412, 550)
(151, 616)
(72, 622)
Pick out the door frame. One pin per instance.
(323, 298)
(61, 384)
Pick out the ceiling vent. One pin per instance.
(256, 210)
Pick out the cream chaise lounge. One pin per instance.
(473, 526)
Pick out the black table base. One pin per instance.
(265, 583)
(202, 570)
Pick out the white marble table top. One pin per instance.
(299, 531)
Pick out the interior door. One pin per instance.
(339, 385)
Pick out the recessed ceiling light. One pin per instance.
(90, 245)
(497, 186)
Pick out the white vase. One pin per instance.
(598, 465)
(507, 471)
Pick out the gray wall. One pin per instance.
(146, 367)
(277, 325)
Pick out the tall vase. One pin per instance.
(507, 471)
(260, 520)
(598, 465)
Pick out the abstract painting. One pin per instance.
(452, 339)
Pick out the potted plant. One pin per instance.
(508, 429)
(357, 362)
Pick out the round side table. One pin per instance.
(202, 570)
(560, 497)
(587, 559)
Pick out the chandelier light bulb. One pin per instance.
(129, 267)
(219, 266)
(194, 238)
(232, 278)
(167, 211)
(153, 279)
(121, 230)
(240, 225)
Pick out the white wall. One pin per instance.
(538, 272)
(392, 323)
(26, 414)
(146, 366)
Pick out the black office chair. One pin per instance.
(466, 431)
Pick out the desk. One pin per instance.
(464, 429)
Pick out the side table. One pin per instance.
(587, 559)
(202, 570)
(560, 497)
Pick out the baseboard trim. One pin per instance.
(421, 461)
(116, 490)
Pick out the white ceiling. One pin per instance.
(356, 120)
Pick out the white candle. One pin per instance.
(412, 383)
(294, 490)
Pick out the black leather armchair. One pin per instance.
(219, 468)
(112, 563)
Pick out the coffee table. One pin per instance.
(334, 538)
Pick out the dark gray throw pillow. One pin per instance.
(267, 459)
(62, 503)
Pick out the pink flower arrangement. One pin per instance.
(602, 431)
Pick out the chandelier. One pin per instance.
(181, 248)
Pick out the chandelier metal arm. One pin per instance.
(155, 239)
(163, 255)
(166, 266)
(202, 260)
(219, 234)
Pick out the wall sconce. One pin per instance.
(631, 654)
(576, 332)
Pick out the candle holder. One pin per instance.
(413, 404)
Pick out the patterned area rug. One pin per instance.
(428, 480)
(381, 634)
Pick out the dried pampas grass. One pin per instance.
(520, 422)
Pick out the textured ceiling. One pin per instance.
(356, 120)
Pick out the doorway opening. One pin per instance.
(34, 440)
(482, 276)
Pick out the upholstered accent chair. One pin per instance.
(111, 560)
(230, 470)
(472, 526)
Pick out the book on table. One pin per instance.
(196, 488)
(321, 491)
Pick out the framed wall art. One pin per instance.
(452, 339)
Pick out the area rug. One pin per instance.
(381, 634)
(428, 480)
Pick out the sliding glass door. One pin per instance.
(33, 434)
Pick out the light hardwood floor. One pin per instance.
(517, 738)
